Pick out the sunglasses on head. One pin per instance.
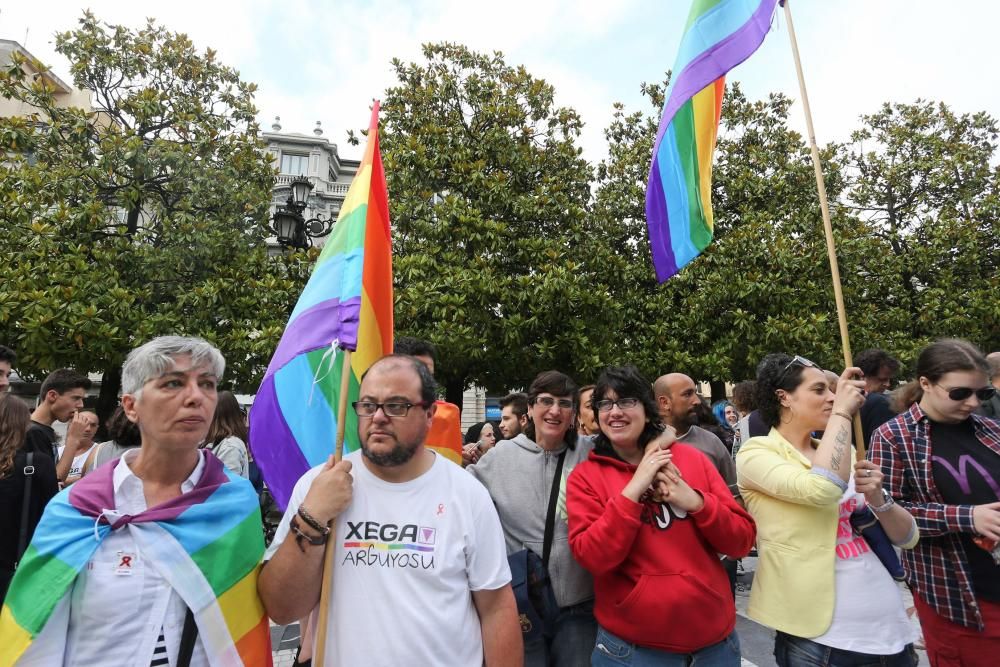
(962, 393)
(796, 360)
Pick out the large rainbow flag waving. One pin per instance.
(208, 542)
(346, 305)
(719, 35)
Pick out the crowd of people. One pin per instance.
(599, 525)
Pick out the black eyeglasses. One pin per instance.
(962, 393)
(796, 360)
(547, 402)
(606, 404)
(390, 408)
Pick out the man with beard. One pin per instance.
(678, 400)
(416, 540)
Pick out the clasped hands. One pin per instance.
(657, 472)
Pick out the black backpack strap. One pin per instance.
(188, 635)
(550, 517)
(29, 473)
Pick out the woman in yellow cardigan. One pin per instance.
(819, 585)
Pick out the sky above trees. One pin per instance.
(325, 61)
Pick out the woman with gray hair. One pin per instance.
(161, 546)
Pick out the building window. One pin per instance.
(295, 165)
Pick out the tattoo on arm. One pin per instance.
(841, 444)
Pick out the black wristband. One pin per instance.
(312, 522)
(301, 537)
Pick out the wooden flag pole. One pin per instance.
(831, 247)
(319, 652)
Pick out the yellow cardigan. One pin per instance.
(797, 511)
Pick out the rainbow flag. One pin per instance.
(347, 304)
(719, 35)
(208, 542)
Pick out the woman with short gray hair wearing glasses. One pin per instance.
(819, 585)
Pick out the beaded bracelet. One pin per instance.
(312, 522)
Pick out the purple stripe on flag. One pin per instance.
(659, 226)
(95, 492)
(318, 327)
(715, 62)
(274, 447)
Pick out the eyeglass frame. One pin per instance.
(609, 404)
(548, 401)
(382, 406)
(983, 393)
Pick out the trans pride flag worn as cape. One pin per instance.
(208, 542)
(719, 35)
(347, 304)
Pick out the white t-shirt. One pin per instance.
(407, 559)
(868, 612)
(76, 468)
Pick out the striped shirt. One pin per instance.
(935, 567)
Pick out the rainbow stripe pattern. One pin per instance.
(718, 36)
(210, 537)
(346, 305)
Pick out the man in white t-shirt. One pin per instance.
(86, 431)
(420, 573)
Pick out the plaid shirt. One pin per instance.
(936, 567)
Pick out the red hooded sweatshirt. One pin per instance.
(658, 581)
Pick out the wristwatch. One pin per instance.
(884, 507)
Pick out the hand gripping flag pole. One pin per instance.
(831, 247)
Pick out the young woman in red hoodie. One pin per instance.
(662, 596)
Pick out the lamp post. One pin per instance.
(291, 228)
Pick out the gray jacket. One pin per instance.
(518, 474)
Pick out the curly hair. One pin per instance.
(772, 376)
(627, 382)
(15, 417)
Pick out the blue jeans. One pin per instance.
(791, 651)
(572, 642)
(611, 650)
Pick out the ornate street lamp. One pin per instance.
(290, 227)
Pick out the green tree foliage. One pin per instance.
(494, 261)
(142, 218)
(762, 285)
(922, 182)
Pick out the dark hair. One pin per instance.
(15, 417)
(557, 384)
(772, 376)
(627, 382)
(63, 380)
(871, 362)
(123, 430)
(229, 420)
(428, 386)
(8, 355)
(743, 396)
(939, 358)
(415, 347)
(472, 435)
(518, 402)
